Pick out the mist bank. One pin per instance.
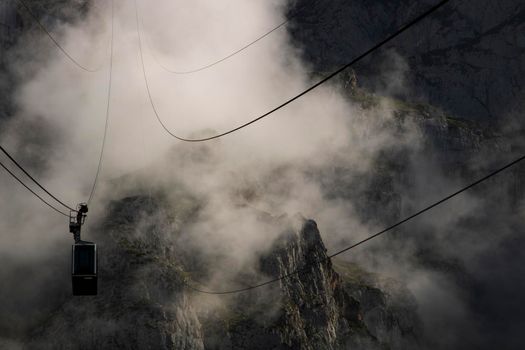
(352, 160)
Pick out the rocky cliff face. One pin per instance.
(309, 310)
(459, 149)
(468, 57)
(143, 302)
(8, 25)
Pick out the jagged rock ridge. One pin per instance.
(143, 302)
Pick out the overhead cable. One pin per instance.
(93, 187)
(92, 192)
(322, 81)
(57, 44)
(30, 190)
(33, 179)
(228, 56)
(389, 228)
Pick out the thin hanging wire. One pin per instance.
(322, 81)
(93, 188)
(30, 190)
(57, 44)
(220, 60)
(33, 179)
(390, 228)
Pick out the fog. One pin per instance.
(58, 127)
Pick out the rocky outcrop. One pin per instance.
(311, 309)
(318, 306)
(459, 149)
(143, 302)
(314, 300)
(388, 309)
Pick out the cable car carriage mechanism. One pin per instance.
(83, 256)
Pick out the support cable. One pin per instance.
(33, 179)
(211, 64)
(33, 192)
(99, 166)
(322, 81)
(389, 228)
(92, 192)
(57, 44)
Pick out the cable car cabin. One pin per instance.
(84, 269)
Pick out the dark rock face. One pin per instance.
(8, 25)
(142, 301)
(8, 29)
(313, 309)
(328, 305)
(391, 317)
(467, 58)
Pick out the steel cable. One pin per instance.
(30, 190)
(57, 44)
(93, 188)
(389, 228)
(322, 81)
